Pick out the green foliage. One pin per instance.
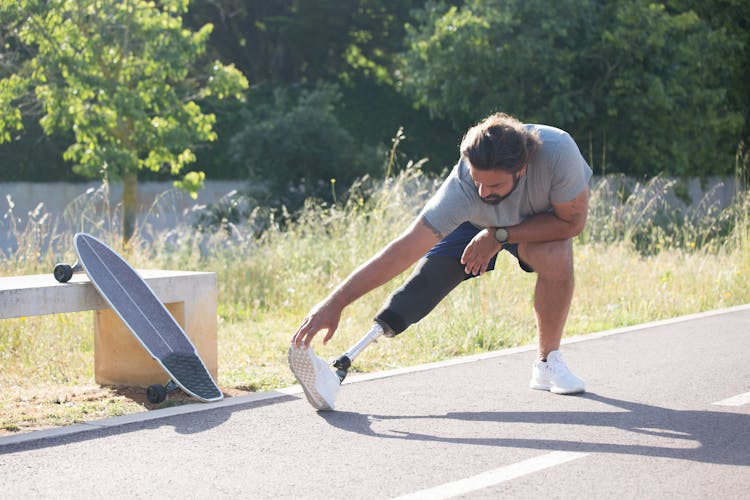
(733, 18)
(192, 182)
(465, 62)
(298, 41)
(644, 87)
(124, 76)
(666, 102)
(642, 84)
(295, 43)
(293, 144)
(36, 156)
(374, 112)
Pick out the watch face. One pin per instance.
(501, 235)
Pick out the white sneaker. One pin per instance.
(320, 384)
(555, 376)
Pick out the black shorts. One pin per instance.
(454, 244)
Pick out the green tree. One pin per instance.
(733, 18)
(303, 41)
(123, 76)
(296, 43)
(294, 145)
(666, 105)
(642, 84)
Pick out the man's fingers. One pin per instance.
(321, 317)
(308, 330)
(472, 264)
(467, 259)
(475, 266)
(304, 338)
(305, 333)
(307, 339)
(467, 255)
(300, 333)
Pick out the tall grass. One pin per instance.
(639, 260)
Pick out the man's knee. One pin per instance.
(551, 259)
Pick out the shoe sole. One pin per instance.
(304, 371)
(555, 390)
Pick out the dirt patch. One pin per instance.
(25, 410)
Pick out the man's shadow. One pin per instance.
(722, 437)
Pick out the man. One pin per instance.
(519, 188)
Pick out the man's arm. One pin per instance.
(567, 220)
(391, 261)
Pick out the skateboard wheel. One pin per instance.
(156, 393)
(63, 273)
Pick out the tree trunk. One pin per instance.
(129, 204)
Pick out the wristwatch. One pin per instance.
(501, 235)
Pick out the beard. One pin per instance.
(495, 199)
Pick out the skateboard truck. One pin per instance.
(63, 272)
(344, 362)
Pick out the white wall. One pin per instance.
(160, 204)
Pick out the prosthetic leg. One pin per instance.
(431, 281)
(344, 362)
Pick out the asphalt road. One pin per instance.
(666, 415)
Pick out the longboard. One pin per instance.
(145, 316)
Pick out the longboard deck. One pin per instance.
(146, 317)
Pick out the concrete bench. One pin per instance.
(118, 357)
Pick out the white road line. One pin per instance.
(738, 400)
(493, 477)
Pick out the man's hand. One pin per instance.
(326, 315)
(479, 252)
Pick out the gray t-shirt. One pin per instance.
(557, 173)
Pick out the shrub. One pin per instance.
(292, 145)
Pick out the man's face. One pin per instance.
(495, 185)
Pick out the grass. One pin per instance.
(639, 260)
